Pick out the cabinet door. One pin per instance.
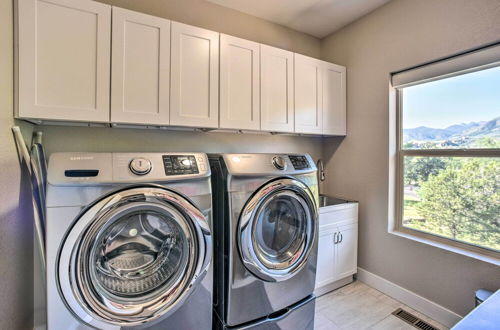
(239, 83)
(346, 251)
(140, 68)
(308, 95)
(63, 60)
(276, 78)
(325, 269)
(194, 77)
(334, 99)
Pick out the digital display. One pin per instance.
(180, 165)
(299, 162)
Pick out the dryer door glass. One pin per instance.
(277, 229)
(280, 229)
(133, 257)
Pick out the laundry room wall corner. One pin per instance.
(16, 220)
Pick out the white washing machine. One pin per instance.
(129, 242)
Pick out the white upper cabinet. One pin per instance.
(63, 60)
(150, 71)
(140, 73)
(194, 78)
(334, 99)
(239, 83)
(308, 95)
(276, 88)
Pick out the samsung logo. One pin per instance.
(81, 158)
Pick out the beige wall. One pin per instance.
(399, 35)
(61, 138)
(16, 231)
(225, 20)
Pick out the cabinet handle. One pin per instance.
(334, 238)
(341, 237)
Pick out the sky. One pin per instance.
(466, 98)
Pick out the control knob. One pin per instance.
(279, 162)
(140, 166)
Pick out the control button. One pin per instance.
(200, 159)
(140, 166)
(202, 167)
(279, 162)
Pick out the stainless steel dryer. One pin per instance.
(129, 242)
(265, 229)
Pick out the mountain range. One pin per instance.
(471, 130)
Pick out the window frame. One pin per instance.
(396, 223)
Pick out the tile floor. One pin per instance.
(357, 306)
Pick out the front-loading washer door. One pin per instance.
(133, 257)
(277, 229)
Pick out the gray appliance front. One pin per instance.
(299, 316)
(192, 313)
(250, 297)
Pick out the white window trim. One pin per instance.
(396, 154)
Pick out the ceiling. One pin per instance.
(318, 18)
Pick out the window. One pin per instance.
(448, 154)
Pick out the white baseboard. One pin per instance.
(333, 286)
(413, 300)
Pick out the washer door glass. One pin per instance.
(277, 229)
(280, 229)
(138, 254)
(133, 257)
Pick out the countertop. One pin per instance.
(486, 316)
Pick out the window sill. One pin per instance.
(436, 242)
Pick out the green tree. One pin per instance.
(418, 169)
(462, 201)
(486, 142)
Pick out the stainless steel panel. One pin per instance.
(300, 316)
(65, 200)
(325, 200)
(105, 311)
(263, 164)
(114, 168)
(246, 297)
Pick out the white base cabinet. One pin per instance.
(337, 245)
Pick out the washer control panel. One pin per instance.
(180, 164)
(140, 166)
(299, 162)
